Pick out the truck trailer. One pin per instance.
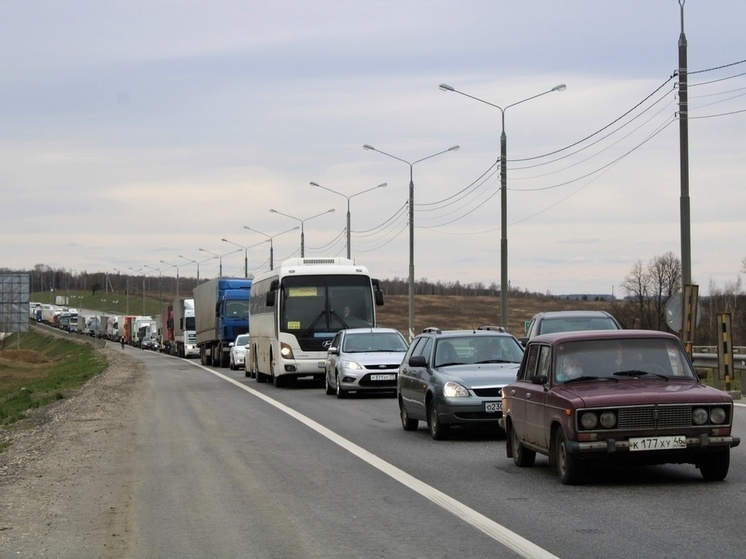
(221, 308)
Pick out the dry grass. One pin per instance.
(454, 312)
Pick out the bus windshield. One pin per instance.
(313, 306)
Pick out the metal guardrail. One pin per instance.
(705, 360)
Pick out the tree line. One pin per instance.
(647, 288)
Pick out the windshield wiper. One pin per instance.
(637, 373)
(495, 361)
(313, 324)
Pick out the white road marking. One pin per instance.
(509, 539)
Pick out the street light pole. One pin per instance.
(411, 223)
(382, 185)
(143, 286)
(302, 228)
(177, 275)
(503, 191)
(246, 254)
(271, 243)
(192, 262)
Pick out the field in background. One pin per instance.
(455, 312)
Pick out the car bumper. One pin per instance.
(367, 381)
(695, 446)
(468, 411)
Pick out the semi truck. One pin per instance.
(221, 308)
(185, 333)
(166, 328)
(142, 326)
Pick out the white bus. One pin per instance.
(295, 311)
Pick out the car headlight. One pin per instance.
(589, 420)
(454, 390)
(286, 351)
(699, 416)
(717, 415)
(352, 365)
(608, 419)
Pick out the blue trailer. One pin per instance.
(221, 310)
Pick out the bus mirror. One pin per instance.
(274, 284)
(379, 297)
(270, 300)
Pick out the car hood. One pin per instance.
(487, 374)
(375, 357)
(638, 391)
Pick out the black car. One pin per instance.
(456, 377)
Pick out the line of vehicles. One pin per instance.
(576, 388)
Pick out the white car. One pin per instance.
(238, 352)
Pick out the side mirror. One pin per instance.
(417, 361)
(333, 350)
(539, 379)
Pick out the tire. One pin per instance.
(522, 456)
(714, 467)
(569, 468)
(407, 423)
(341, 394)
(328, 387)
(231, 364)
(438, 431)
(278, 381)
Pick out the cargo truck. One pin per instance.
(142, 326)
(166, 329)
(185, 333)
(221, 308)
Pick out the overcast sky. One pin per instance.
(133, 133)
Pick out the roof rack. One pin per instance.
(432, 330)
(494, 328)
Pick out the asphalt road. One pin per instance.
(227, 467)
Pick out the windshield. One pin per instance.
(617, 359)
(237, 309)
(370, 342)
(326, 304)
(477, 349)
(242, 340)
(574, 324)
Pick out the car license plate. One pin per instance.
(493, 407)
(382, 377)
(657, 443)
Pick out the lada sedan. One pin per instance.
(624, 396)
(363, 360)
(455, 378)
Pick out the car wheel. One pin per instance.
(341, 394)
(438, 431)
(569, 468)
(522, 456)
(407, 423)
(327, 385)
(231, 364)
(714, 467)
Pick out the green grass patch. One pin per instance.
(40, 370)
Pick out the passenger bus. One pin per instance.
(295, 311)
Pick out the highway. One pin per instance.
(228, 467)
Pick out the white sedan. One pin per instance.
(238, 352)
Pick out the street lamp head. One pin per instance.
(225, 240)
(454, 148)
(446, 87)
(315, 184)
(368, 146)
(560, 87)
(273, 211)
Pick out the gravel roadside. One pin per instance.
(66, 481)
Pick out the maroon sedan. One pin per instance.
(621, 395)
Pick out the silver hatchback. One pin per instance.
(364, 360)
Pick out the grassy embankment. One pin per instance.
(41, 369)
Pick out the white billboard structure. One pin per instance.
(14, 303)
